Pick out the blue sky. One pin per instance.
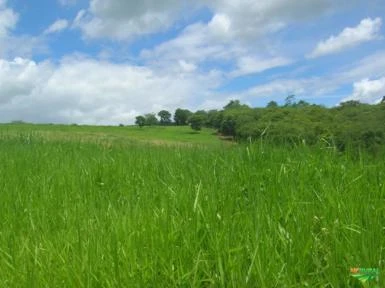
(107, 61)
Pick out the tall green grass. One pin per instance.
(75, 214)
(159, 135)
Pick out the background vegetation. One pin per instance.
(351, 125)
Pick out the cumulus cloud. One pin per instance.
(8, 19)
(248, 19)
(195, 44)
(18, 78)
(57, 26)
(200, 44)
(243, 19)
(124, 19)
(183, 71)
(187, 67)
(81, 90)
(12, 46)
(22, 46)
(368, 91)
(367, 30)
(237, 35)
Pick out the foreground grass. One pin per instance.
(77, 214)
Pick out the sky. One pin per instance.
(104, 62)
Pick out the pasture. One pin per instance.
(163, 207)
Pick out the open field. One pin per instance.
(79, 213)
(170, 135)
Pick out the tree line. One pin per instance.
(350, 124)
(182, 117)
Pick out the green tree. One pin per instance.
(140, 121)
(214, 119)
(231, 117)
(165, 117)
(234, 104)
(197, 121)
(151, 119)
(350, 103)
(290, 101)
(272, 104)
(302, 103)
(181, 116)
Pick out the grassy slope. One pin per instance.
(79, 214)
(156, 135)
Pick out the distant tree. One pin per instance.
(151, 119)
(197, 120)
(181, 116)
(349, 127)
(165, 117)
(232, 118)
(272, 104)
(350, 103)
(302, 103)
(228, 125)
(383, 99)
(140, 121)
(18, 122)
(214, 119)
(234, 104)
(290, 101)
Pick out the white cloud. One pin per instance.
(220, 27)
(237, 35)
(282, 88)
(323, 87)
(240, 19)
(205, 46)
(371, 66)
(81, 90)
(187, 67)
(57, 26)
(367, 30)
(249, 19)
(195, 44)
(124, 19)
(368, 91)
(181, 72)
(249, 65)
(14, 46)
(8, 19)
(22, 46)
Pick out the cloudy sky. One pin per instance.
(107, 61)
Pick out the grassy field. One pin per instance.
(77, 213)
(158, 135)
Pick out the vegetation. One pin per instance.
(197, 120)
(181, 116)
(116, 135)
(296, 205)
(77, 213)
(151, 119)
(140, 121)
(349, 125)
(165, 117)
